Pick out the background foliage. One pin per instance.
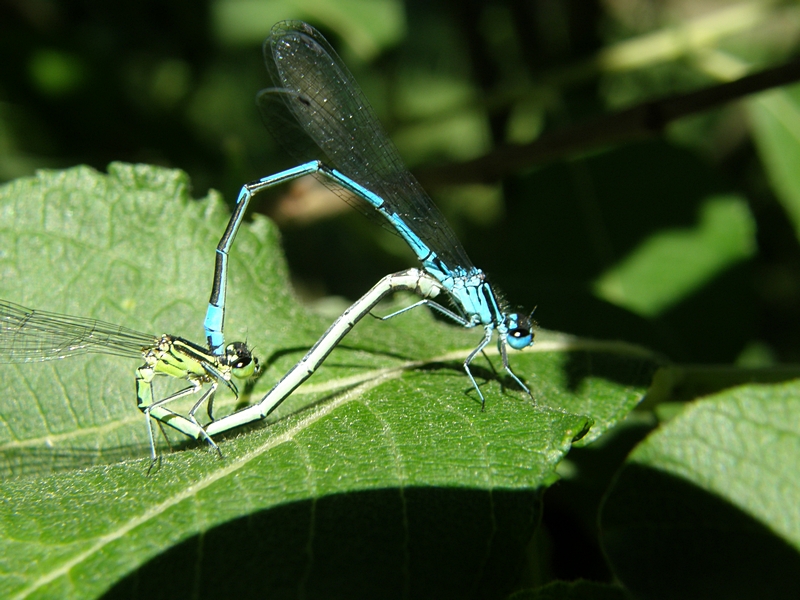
(686, 244)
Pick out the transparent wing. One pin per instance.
(318, 111)
(28, 335)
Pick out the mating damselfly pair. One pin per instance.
(319, 113)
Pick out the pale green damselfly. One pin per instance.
(28, 335)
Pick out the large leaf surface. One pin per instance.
(712, 496)
(381, 477)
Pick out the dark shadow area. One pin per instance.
(578, 590)
(42, 461)
(713, 324)
(389, 543)
(301, 350)
(687, 383)
(621, 368)
(666, 538)
(573, 504)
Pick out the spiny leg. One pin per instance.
(487, 337)
(193, 389)
(434, 306)
(501, 345)
(207, 396)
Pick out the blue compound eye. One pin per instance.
(519, 331)
(519, 338)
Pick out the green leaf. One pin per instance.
(380, 477)
(671, 265)
(775, 117)
(707, 505)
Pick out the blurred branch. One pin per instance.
(644, 121)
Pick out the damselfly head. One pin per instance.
(241, 360)
(520, 330)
